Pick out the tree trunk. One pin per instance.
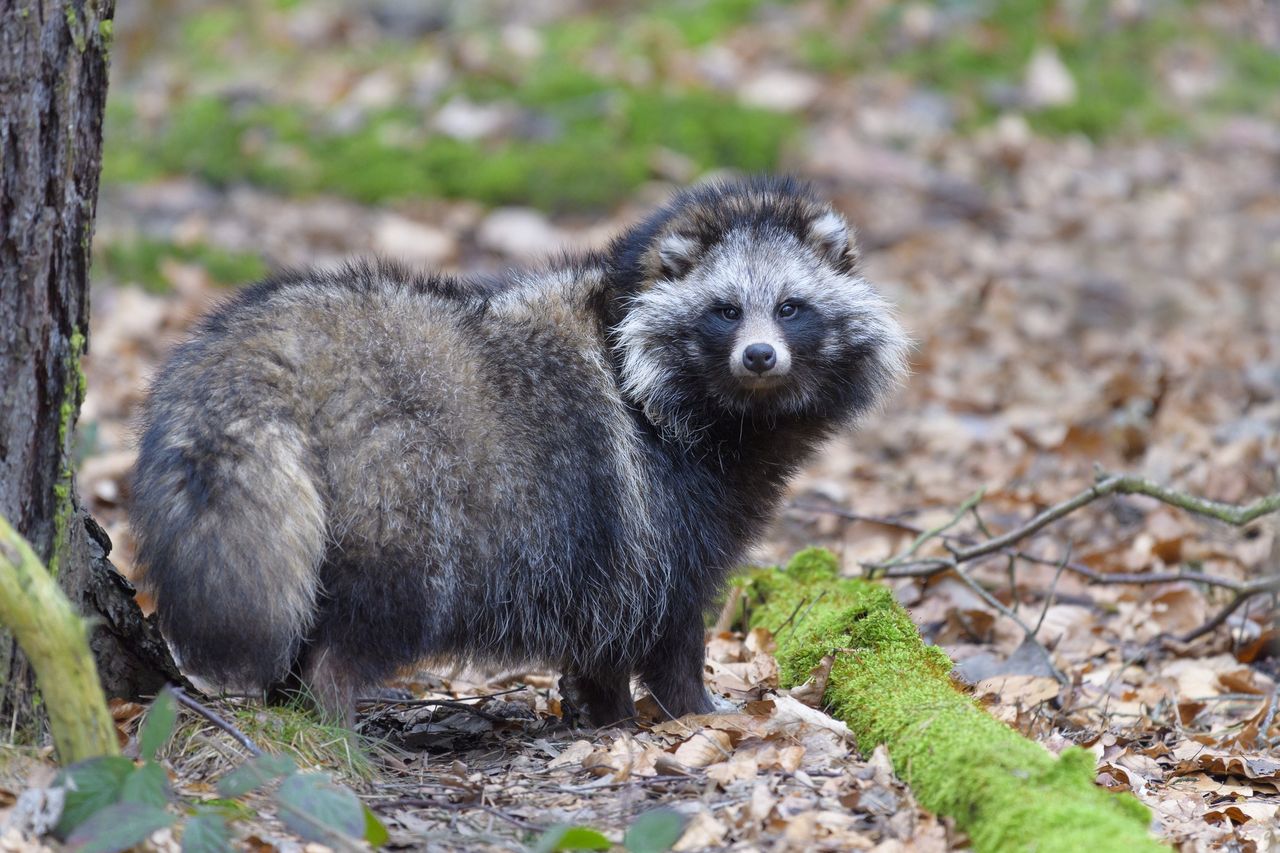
(53, 87)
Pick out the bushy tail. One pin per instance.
(231, 532)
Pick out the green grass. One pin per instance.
(142, 262)
(1253, 77)
(700, 22)
(296, 731)
(587, 140)
(607, 138)
(1113, 65)
(291, 729)
(202, 34)
(1116, 64)
(595, 140)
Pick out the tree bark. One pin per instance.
(53, 87)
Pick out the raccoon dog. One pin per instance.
(344, 473)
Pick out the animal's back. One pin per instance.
(362, 468)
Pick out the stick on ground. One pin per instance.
(964, 550)
(212, 716)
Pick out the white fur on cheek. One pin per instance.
(644, 374)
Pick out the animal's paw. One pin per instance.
(590, 702)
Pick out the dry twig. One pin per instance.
(212, 716)
(966, 549)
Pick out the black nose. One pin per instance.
(759, 358)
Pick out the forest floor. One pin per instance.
(1077, 213)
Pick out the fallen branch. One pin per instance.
(967, 549)
(56, 641)
(212, 716)
(1027, 630)
(1005, 791)
(1243, 593)
(1124, 485)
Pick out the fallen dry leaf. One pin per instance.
(1021, 691)
(702, 832)
(704, 748)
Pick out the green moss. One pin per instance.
(142, 262)
(575, 35)
(813, 564)
(1007, 792)
(76, 28)
(67, 412)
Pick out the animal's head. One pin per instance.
(746, 300)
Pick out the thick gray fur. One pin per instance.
(345, 473)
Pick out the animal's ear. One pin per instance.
(677, 254)
(830, 235)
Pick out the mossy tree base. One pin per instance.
(54, 68)
(54, 64)
(1005, 791)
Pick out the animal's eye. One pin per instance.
(729, 313)
(788, 309)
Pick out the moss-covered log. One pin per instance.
(56, 642)
(1006, 791)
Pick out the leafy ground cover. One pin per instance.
(1075, 206)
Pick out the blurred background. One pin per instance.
(1075, 203)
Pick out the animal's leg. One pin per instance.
(672, 670)
(601, 698)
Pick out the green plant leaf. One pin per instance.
(207, 832)
(148, 784)
(118, 827)
(316, 809)
(229, 809)
(91, 786)
(255, 773)
(654, 831)
(571, 838)
(158, 725)
(374, 832)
